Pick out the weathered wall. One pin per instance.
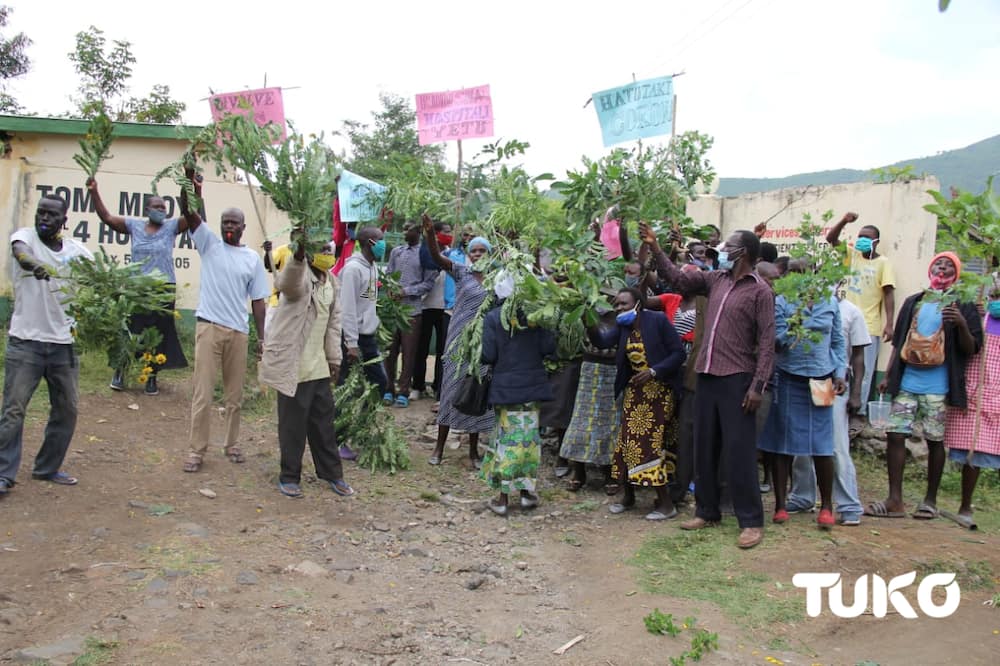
(907, 230)
(40, 163)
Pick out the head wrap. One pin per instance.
(479, 240)
(947, 255)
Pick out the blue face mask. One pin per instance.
(631, 280)
(864, 245)
(994, 309)
(725, 263)
(157, 216)
(378, 249)
(628, 318)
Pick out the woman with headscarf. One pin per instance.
(469, 296)
(972, 435)
(648, 377)
(933, 340)
(809, 373)
(152, 245)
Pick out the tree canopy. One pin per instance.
(14, 61)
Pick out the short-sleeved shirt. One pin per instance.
(864, 287)
(229, 276)
(157, 249)
(926, 381)
(39, 312)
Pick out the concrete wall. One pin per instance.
(39, 160)
(907, 230)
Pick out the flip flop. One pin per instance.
(342, 488)
(659, 515)
(61, 478)
(290, 489)
(573, 485)
(925, 512)
(879, 510)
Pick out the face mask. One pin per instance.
(994, 309)
(157, 216)
(631, 281)
(323, 262)
(725, 263)
(352, 232)
(939, 283)
(378, 249)
(445, 240)
(628, 318)
(864, 245)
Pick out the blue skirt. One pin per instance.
(795, 426)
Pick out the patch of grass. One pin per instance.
(98, 651)
(571, 539)
(586, 505)
(177, 556)
(778, 643)
(702, 566)
(430, 496)
(549, 494)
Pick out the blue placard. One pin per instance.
(636, 111)
(360, 198)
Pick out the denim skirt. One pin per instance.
(795, 426)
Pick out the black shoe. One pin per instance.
(151, 386)
(118, 382)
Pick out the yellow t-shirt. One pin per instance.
(864, 287)
(279, 256)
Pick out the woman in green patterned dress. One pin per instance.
(519, 383)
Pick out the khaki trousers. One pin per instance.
(217, 347)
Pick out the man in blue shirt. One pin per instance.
(230, 274)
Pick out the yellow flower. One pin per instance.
(148, 370)
(143, 377)
(177, 315)
(161, 359)
(147, 357)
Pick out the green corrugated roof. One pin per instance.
(36, 125)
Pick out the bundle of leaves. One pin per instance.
(969, 225)
(823, 267)
(186, 167)
(103, 295)
(414, 188)
(367, 425)
(394, 315)
(95, 146)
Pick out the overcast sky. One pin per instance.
(784, 86)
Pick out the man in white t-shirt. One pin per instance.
(231, 273)
(40, 344)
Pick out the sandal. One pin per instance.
(290, 489)
(574, 485)
(925, 512)
(342, 488)
(61, 478)
(879, 510)
(193, 463)
(235, 455)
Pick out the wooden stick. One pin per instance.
(458, 186)
(253, 200)
(979, 390)
(562, 650)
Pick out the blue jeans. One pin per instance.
(871, 360)
(25, 363)
(374, 372)
(845, 481)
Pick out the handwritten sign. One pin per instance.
(266, 105)
(636, 111)
(360, 199)
(454, 114)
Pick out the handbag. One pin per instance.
(472, 395)
(923, 351)
(822, 392)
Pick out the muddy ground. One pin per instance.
(409, 571)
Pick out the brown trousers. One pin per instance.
(405, 343)
(217, 347)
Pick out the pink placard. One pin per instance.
(611, 239)
(266, 104)
(454, 114)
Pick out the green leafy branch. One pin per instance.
(394, 315)
(95, 145)
(364, 422)
(817, 269)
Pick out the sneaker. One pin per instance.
(151, 386)
(529, 501)
(117, 382)
(414, 395)
(402, 401)
(825, 519)
(850, 519)
(387, 399)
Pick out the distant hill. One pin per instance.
(966, 168)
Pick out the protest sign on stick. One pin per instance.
(638, 110)
(265, 104)
(454, 115)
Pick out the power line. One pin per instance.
(681, 49)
